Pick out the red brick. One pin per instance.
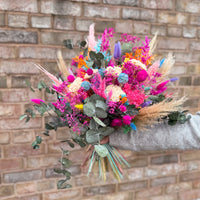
(122, 2)
(61, 7)
(57, 38)
(46, 185)
(159, 160)
(22, 136)
(148, 192)
(172, 44)
(191, 155)
(6, 190)
(20, 150)
(25, 6)
(132, 185)
(118, 196)
(189, 176)
(157, 4)
(124, 26)
(64, 23)
(63, 195)
(164, 197)
(141, 28)
(15, 67)
(41, 22)
(130, 13)
(94, 11)
(188, 195)
(32, 197)
(18, 21)
(163, 181)
(9, 164)
(172, 18)
(38, 162)
(10, 110)
(7, 52)
(179, 187)
(135, 173)
(26, 188)
(105, 189)
(4, 138)
(22, 176)
(10, 124)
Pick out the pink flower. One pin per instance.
(116, 122)
(142, 75)
(122, 108)
(37, 101)
(126, 120)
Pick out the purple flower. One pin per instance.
(117, 50)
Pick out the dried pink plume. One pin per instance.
(91, 38)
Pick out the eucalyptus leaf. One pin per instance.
(93, 124)
(92, 137)
(101, 150)
(99, 121)
(92, 55)
(68, 43)
(65, 162)
(105, 131)
(89, 109)
(38, 139)
(100, 113)
(100, 56)
(22, 117)
(101, 104)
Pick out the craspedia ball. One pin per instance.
(123, 78)
(85, 85)
(89, 72)
(71, 78)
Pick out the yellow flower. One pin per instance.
(79, 106)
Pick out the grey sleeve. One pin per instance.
(161, 137)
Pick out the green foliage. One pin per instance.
(29, 85)
(177, 117)
(37, 142)
(126, 129)
(101, 150)
(97, 59)
(68, 43)
(126, 48)
(156, 99)
(28, 114)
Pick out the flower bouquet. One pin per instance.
(110, 85)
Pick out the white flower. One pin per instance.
(76, 85)
(116, 92)
(115, 71)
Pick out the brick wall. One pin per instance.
(31, 31)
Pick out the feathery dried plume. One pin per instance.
(91, 38)
(153, 44)
(148, 116)
(138, 63)
(51, 76)
(62, 66)
(167, 66)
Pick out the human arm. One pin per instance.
(160, 137)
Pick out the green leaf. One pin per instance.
(38, 139)
(41, 85)
(36, 147)
(70, 144)
(48, 127)
(97, 120)
(22, 117)
(29, 85)
(68, 43)
(85, 52)
(100, 113)
(82, 44)
(34, 143)
(100, 56)
(101, 104)
(89, 109)
(92, 55)
(65, 162)
(126, 129)
(27, 119)
(101, 150)
(65, 152)
(105, 131)
(92, 137)
(93, 124)
(60, 184)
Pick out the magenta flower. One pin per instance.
(142, 75)
(116, 122)
(126, 120)
(122, 108)
(37, 101)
